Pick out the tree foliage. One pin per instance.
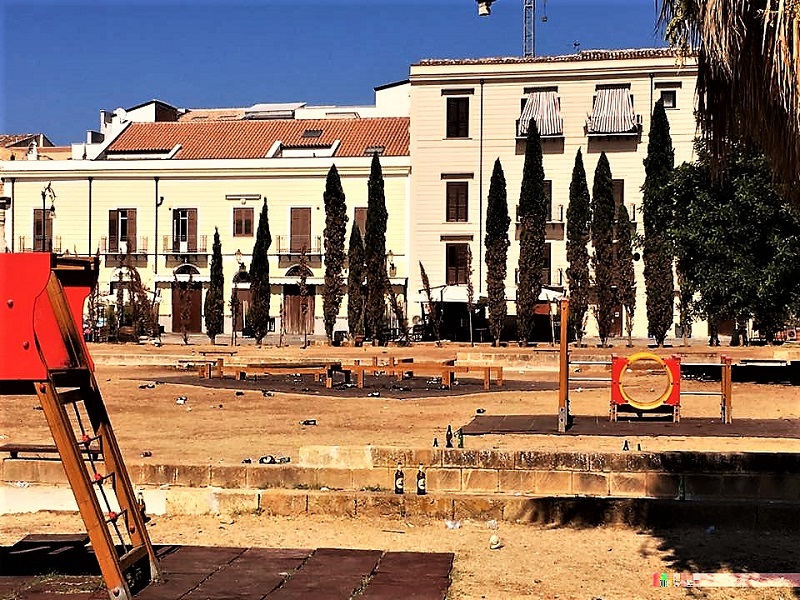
(497, 243)
(737, 240)
(355, 283)
(334, 234)
(602, 240)
(579, 219)
(533, 221)
(375, 251)
(214, 303)
(657, 206)
(625, 274)
(258, 315)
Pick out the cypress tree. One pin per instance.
(258, 315)
(579, 219)
(533, 220)
(657, 215)
(497, 243)
(603, 242)
(626, 277)
(355, 283)
(375, 251)
(335, 233)
(215, 304)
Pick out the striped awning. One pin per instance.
(612, 112)
(545, 108)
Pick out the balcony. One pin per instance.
(185, 245)
(521, 132)
(601, 126)
(34, 243)
(117, 247)
(288, 248)
(553, 231)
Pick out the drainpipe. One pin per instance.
(480, 199)
(90, 215)
(652, 85)
(158, 202)
(13, 220)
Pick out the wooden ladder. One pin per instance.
(77, 417)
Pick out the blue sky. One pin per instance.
(64, 60)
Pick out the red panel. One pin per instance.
(674, 365)
(22, 278)
(618, 366)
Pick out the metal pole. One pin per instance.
(563, 370)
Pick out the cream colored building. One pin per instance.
(467, 113)
(158, 189)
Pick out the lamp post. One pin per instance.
(47, 192)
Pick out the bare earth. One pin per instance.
(534, 563)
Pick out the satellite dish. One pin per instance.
(121, 113)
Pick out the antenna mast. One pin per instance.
(528, 27)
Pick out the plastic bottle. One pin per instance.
(399, 480)
(422, 487)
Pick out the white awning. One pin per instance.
(612, 112)
(544, 107)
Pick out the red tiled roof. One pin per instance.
(253, 139)
(10, 139)
(583, 55)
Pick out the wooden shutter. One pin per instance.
(548, 193)
(176, 221)
(451, 264)
(360, 219)
(192, 225)
(300, 230)
(619, 191)
(113, 231)
(131, 230)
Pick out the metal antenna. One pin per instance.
(528, 27)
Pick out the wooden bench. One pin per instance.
(218, 352)
(322, 371)
(445, 370)
(15, 450)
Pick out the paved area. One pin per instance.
(58, 568)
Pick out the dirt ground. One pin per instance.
(218, 426)
(534, 562)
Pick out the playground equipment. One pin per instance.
(41, 300)
(668, 402)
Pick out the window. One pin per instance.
(669, 98)
(42, 230)
(122, 230)
(612, 112)
(544, 106)
(457, 201)
(242, 222)
(457, 117)
(360, 219)
(300, 234)
(184, 230)
(619, 192)
(457, 263)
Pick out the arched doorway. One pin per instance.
(241, 283)
(296, 320)
(187, 300)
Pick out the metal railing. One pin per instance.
(122, 247)
(34, 243)
(287, 244)
(185, 245)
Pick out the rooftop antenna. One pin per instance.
(544, 11)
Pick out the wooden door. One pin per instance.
(244, 297)
(300, 230)
(616, 321)
(295, 322)
(194, 296)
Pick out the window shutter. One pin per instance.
(300, 230)
(131, 230)
(192, 234)
(176, 228)
(113, 231)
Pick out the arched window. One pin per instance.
(297, 270)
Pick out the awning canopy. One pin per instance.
(458, 293)
(545, 107)
(612, 112)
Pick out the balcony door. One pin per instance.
(184, 230)
(300, 230)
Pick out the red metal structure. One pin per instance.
(44, 354)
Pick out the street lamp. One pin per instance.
(51, 214)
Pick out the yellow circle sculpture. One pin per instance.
(667, 390)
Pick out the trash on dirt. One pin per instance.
(579, 390)
(375, 394)
(226, 521)
(146, 454)
(577, 370)
(324, 488)
(480, 411)
(710, 529)
(452, 524)
(21, 484)
(495, 543)
(435, 442)
(239, 393)
(267, 393)
(392, 531)
(188, 409)
(267, 460)
(3, 436)
(181, 400)
(491, 524)
(37, 407)
(626, 446)
(308, 422)
(247, 461)
(283, 459)
(639, 447)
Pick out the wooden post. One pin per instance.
(499, 376)
(487, 377)
(219, 372)
(563, 370)
(726, 404)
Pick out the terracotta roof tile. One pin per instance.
(583, 55)
(10, 139)
(253, 139)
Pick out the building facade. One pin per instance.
(157, 191)
(467, 113)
